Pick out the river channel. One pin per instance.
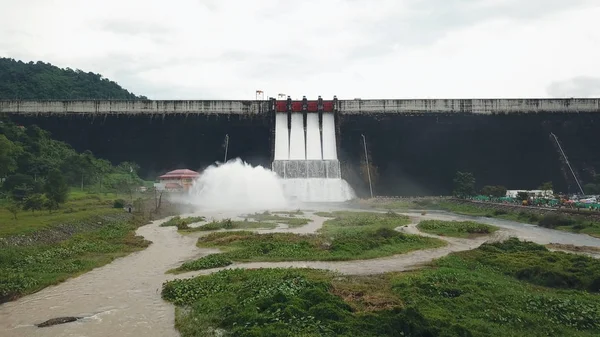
(123, 298)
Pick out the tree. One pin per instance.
(34, 202)
(56, 188)
(522, 196)
(494, 191)
(8, 156)
(464, 184)
(547, 186)
(14, 209)
(20, 186)
(591, 188)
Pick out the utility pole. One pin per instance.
(367, 160)
(567, 162)
(226, 147)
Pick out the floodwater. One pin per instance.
(123, 298)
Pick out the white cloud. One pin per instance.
(208, 49)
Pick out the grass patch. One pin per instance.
(24, 270)
(182, 223)
(290, 221)
(474, 293)
(457, 229)
(350, 236)
(290, 213)
(79, 206)
(228, 224)
(209, 262)
(325, 214)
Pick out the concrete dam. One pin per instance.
(413, 147)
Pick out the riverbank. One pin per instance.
(44, 249)
(569, 220)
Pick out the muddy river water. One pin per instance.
(123, 298)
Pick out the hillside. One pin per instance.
(20, 80)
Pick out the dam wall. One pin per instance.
(351, 107)
(410, 155)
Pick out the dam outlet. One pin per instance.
(305, 157)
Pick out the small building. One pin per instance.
(532, 193)
(178, 180)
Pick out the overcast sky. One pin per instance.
(228, 49)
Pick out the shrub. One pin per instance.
(553, 220)
(119, 203)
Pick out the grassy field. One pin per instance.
(78, 206)
(457, 229)
(502, 289)
(349, 236)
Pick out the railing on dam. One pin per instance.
(356, 106)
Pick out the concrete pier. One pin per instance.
(356, 106)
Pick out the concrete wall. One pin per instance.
(470, 106)
(417, 106)
(133, 107)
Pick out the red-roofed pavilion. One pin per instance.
(180, 179)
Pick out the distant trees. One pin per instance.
(547, 186)
(594, 186)
(20, 80)
(38, 171)
(494, 191)
(522, 196)
(56, 189)
(8, 151)
(464, 184)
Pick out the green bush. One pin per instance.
(207, 262)
(455, 228)
(119, 203)
(553, 220)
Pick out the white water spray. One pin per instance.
(237, 186)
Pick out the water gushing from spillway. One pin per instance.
(236, 185)
(310, 168)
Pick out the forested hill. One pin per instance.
(20, 80)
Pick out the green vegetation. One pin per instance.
(229, 224)
(494, 191)
(555, 220)
(37, 171)
(457, 229)
(464, 184)
(291, 221)
(593, 187)
(209, 262)
(350, 236)
(39, 80)
(27, 269)
(78, 207)
(502, 289)
(290, 213)
(182, 223)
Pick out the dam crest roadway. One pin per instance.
(259, 107)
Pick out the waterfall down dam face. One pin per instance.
(409, 154)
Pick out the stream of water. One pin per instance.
(123, 298)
